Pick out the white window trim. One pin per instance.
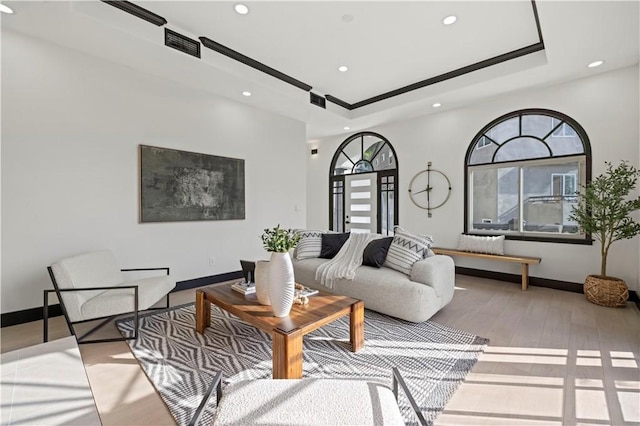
(564, 177)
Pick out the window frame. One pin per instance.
(583, 159)
(563, 185)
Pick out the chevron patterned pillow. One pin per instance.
(310, 244)
(406, 249)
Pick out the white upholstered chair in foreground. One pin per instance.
(91, 286)
(307, 402)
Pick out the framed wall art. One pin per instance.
(185, 186)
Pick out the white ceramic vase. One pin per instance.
(281, 284)
(262, 282)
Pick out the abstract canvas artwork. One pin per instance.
(181, 186)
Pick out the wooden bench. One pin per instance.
(524, 260)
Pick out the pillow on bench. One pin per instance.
(478, 244)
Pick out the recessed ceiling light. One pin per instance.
(241, 9)
(347, 18)
(245, 93)
(449, 20)
(5, 9)
(437, 105)
(595, 64)
(347, 128)
(343, 68)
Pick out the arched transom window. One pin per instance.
(363, 183)
(523, 171)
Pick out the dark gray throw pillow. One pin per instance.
(376, 252)
(331, 244)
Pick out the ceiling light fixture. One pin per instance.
(240, 8)
(245, 93)
(595, 64)
(449, 20)
(347, 128)
(347, 18)
(437, 105)
(5, 9)
(343, 68)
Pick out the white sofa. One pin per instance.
(413, 298)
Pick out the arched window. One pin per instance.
(363, 182)
(522, 174)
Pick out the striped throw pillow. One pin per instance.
(406, 249)
(310, 244)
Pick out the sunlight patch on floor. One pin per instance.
(620, 354)
(479, 419)
(513, 400)
(526, 351)
(523, 359)
(516, 380)
(589, 362)
(630, 406)
(627, 384)
(508, 399)
(591, 405)
(624, 363)
(582, 352)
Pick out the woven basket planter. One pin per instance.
(610, 291)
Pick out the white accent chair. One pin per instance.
(307, 402)
(91, 286)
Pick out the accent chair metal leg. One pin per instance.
(215, 385)
(45, 318)
(398, 380)
(135, 316)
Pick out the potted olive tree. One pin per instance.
(604, 210)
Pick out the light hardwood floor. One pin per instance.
(553, 359)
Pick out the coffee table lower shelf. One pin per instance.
(286, 333)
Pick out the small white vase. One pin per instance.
(281, 284)
(262, 282)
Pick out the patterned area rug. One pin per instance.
(433, 359)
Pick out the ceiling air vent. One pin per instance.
(181, 43)
(318, 100)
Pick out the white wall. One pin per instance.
(71, 126)
(606, 105)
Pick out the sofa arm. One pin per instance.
(437, 272)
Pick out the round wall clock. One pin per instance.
(429, 189)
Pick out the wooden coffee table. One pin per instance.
(287, 332)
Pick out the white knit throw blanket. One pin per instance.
(345, 263)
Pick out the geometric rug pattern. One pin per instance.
(433, 359)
